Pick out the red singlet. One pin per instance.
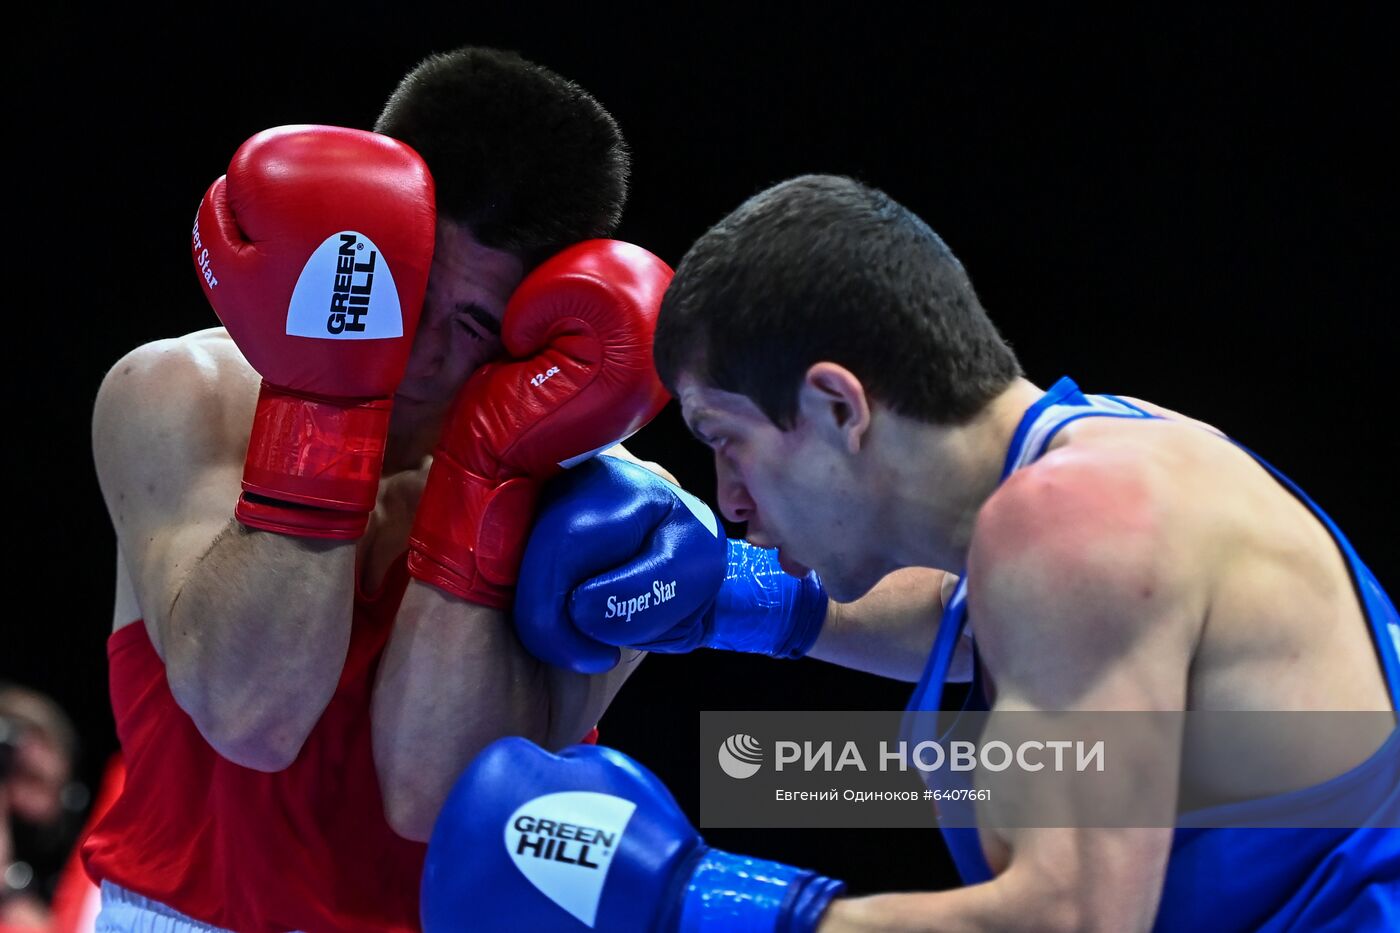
(306, 848)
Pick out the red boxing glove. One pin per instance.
(580, 379)
(314, 251)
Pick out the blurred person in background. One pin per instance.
(40, 804)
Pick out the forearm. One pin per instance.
(256, 638)
(890, 630)
(453, 679)
(577, 701)
(1021, 898)
(981, 908)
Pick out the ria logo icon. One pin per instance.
(740, 756)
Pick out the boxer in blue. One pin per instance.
(866, 417)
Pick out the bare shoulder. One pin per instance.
(1074, 519)
(1076, 563)
(178, 401)
(172, 374)
(169, 433)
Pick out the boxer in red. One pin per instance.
(320, 506)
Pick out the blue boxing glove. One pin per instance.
(590, 840)
(619, 557)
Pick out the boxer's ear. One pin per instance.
(833, 401)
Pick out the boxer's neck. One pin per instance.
(413, 433)
(936, 478)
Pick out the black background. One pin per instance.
(1193, 207)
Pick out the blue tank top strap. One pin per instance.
(1063, 404)
(928, 693)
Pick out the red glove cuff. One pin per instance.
(299, 520)
(323, 453)
(469, 534)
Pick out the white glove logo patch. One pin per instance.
(345, 292)
(564, 843)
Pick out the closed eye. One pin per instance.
(478, 322)
(716, 443)
(701, 436)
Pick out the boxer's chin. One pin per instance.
(791, 567)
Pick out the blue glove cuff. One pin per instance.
(762, 610)
(729, 893)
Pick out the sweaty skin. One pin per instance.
(1138, 565)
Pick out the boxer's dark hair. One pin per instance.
(822, 267)
(524, 157)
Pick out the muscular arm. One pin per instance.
(890, 630)
(456, 678)
(253, 627)
(1078, 609)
